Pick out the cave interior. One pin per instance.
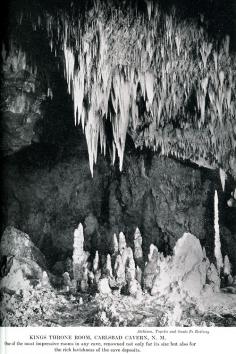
(118, 125)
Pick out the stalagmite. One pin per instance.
(84, 281)
(97, 276)
(153, 253)
(103, 286)
(227, 266)
(45, 280)
(74, 286)
(119, 271)
(122, 243)
(138, 275)
(126, 255)
(231, 203)
(151, 268)
(115, 245)
(108, 266)
(138, 252)
(66, 281)
(218, 255)
(130, 270)
(96, 262)
(79, 256)
(213, 278)
(134, 288)
(90, 278)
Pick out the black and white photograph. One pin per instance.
(118, 163)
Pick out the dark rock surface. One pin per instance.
(47, 196)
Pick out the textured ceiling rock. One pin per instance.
(160, 78)
(178, 99)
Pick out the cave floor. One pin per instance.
(147, 311)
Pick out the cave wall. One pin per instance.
(48, 201)
(164, 198)
(47, 198)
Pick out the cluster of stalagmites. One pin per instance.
(125, 270)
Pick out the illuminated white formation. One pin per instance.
(223, 177)
(78, 253)
(218, 255)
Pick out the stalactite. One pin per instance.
(218, 255)
(153, 59)
(223, 177)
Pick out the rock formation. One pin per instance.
(119, 271)
(17, 243)
(115, 245)
(79, 256)
(138, 252)
(96, 262)
(103, 286)
(218, 254)
(66, 281)
(121, 243)
(22, 96)
(108, 266)
(26, 264)
(213, 278)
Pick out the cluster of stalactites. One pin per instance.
(16, 60)
(172, 63)
(99, 86)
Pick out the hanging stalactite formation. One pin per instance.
(185, 79)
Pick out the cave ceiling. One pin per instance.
(163, 76)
